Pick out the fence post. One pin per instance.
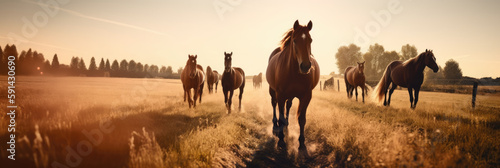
(338, 85)
(474, 92)
(320, 85)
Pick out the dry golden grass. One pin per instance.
(145, 123)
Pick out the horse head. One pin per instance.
(301, 46)
(361, 67)
(191, 65)
(430, 60)
(227, 61)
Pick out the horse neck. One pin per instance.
(420, 63)
(289, 56)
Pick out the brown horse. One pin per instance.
(232, 79)
(354, 77)
(212, 78)
(192, 77)
(292, 72)
(409, 74)
(257, 80)
(328, 83)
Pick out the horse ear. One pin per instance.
(224, 53)
(231, 53)
(296, 25)
(426, 50)
(195, 56)
(310, 25)
(358, 62)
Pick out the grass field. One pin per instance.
(118, 122)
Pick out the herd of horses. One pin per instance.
(293, 72)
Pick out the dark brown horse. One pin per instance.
(232, 79)
(328, 83)
(354, 77)
(292, 72)
(257, 80)
(212, 78)
(409, 74)
(192, 77)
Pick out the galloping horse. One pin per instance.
(232, 79)
(192, 77)
(409, 74)
(354, 77)
(292, 72)
(212, 78)
(257, 80)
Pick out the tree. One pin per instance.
(55, 63)
(431, 77)
(102, 66)
(163, 70)
(386, 59)
(369, 68)
(108, 66)
(179, 71)
(146, 68)
(377, 51)
(452, 70)
(347, 56)
(46, 67)
(81, 66)
(131, 66)
(139, 67)
(115, 67)
(74, 65)
(124, 65)
(408, 52)
(169, 71)
(92, 66)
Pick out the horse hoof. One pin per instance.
(281, 144)
(303, 151)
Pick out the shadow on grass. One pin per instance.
(106, 142)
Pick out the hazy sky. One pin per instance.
(164, 32)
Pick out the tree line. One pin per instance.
(34, 63)
(377, 59)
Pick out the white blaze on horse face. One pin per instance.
(303, 36)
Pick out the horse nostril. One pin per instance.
(305, 67)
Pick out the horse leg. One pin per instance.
(347, 88)
(216, 83)
(225, 96)
(356, 88)
(363, 92)
(240, 97)
(304, 102)
(281, 122)
(201, 90)
(273, 103)
(195, 95)
(184, 93)
(288, 106)
(394, 86)
(417, 90)
(190, 101)
(410, 92)
(230, 101)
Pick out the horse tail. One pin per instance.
(382, 85)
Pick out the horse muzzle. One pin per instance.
(305, 67)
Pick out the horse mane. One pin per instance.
(415, 59)
(287, 37)
(209, 69)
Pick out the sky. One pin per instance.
(164, 32)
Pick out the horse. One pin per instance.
(193, 77)
(409, 74)
(354, 77)
(257, 80)
(292, 72)
(212, 78)
(328, 83)
(232, 79)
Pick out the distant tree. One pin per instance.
(387, 58)
(377, 51)
(46, 68)
(163, 71)
(92, 66)
(431, 77)
(139, 68)
(102, 65)
(146, 69)
(369, 71)
(452, 70)
(115, 67)
(74, 65)
(179, 71)
(169, 71)
(81, 66)
(408, 52)
(132, 66)
(55, 62)
(153, 70)
(347, 56)
(108, 66)
(124, 65)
